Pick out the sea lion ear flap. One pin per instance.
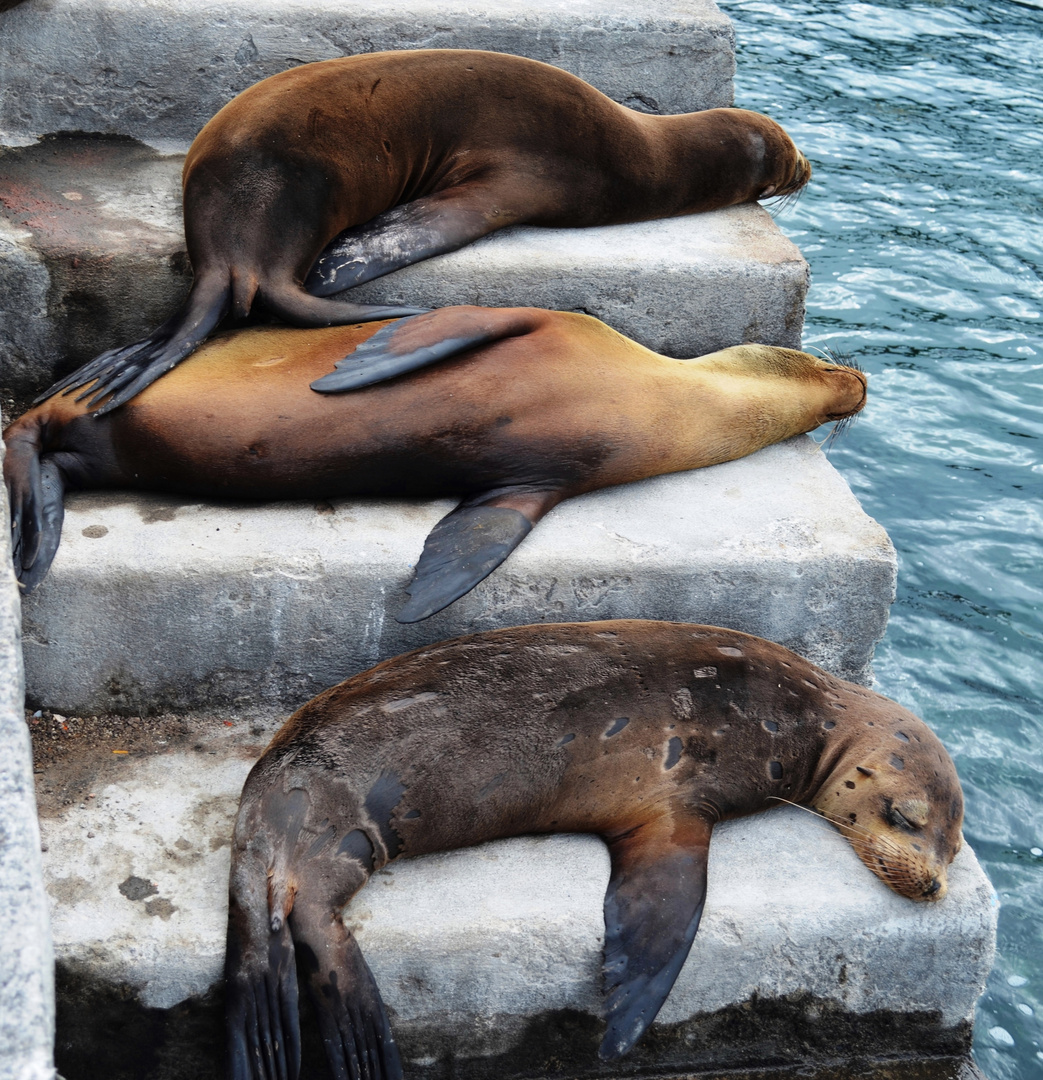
(652, 910)
(417, 342)
(464, 548)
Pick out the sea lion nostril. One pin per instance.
(933, 888)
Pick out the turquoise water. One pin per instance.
(923, 226)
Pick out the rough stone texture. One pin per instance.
(158, 70)
(154, 603)
(489, 958)
(92, 255)
(26, 956)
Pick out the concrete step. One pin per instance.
(487, 958)
(155, 603)
(158, 70)
(92, 255)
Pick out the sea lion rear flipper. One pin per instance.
(35, 491)
(45, 532)
(466, 546)
(404, 235)
(354, 1023)
(119, 374)
(261, 1010)
(652, 909)
(422, 340)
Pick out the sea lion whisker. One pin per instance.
(818, 815)
(838, 429)
(842, 359)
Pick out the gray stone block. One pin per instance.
(489, 958)
(159, 603)
(26, 955)
(160, 70)
(92, 256)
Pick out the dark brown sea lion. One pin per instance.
(415, 154)
(643, 733)
(551, 405)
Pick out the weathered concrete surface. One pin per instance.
(489, 958)
(158, 70)
(92, 255)
(154, 603)
(26, 956)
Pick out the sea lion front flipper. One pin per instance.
(652, 909)
(416, 342)
(466, 546)
(404, 235)
(354, 1023)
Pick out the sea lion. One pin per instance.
(416, 153)
(643, 733)
(549, 405)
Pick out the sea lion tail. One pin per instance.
(36, 491)
(262, 1020)
(287, 300)
(120, 374)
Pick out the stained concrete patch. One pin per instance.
(136, 888)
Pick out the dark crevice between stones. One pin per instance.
(105, 1033)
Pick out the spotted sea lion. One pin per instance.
(546, 405)
(644, 733)
(410, 154)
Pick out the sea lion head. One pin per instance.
(785, 392)
(895, 795)
(779, 167)
(739, 156)
(789, 173)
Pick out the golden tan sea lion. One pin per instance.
(537, 406)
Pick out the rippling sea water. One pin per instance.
(923, 226)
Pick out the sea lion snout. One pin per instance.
(897, 799)
(848, 388)
(798, 179)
